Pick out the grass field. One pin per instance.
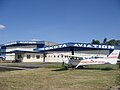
(49, 78)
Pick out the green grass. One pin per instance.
(48, 78)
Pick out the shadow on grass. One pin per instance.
(104, 69)
(85, 68)
(14, 68)
(61, 69)
(7, 69)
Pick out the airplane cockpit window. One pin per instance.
(71, 58)
(80, 58)
(76, 58)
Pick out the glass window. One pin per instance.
(37, 56)
(28, 56)
(80, 58)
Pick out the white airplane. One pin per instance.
(76, 61)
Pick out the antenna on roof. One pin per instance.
(35, 40)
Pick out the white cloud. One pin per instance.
(2, 26)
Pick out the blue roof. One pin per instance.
(21, 51)
(17, 43)
(79, 45)
(64, 46)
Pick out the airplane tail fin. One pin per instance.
(114, 54)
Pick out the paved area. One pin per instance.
(17, 68)
(23, 66)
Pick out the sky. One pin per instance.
(59, 21)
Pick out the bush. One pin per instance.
(16, 61)
(6, 61)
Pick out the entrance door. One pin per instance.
(18, 57)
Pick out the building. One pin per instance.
(45, 51)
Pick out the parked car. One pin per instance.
(2, 58)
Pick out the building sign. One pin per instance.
(27, 42)
(82, 45)
(94, 46)
(53, 47)
(10, 43)
(22, 42)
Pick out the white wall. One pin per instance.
(49, 57)
(102, 53)
(33, 57)
(55, 56)
(10, 56)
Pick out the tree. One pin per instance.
(118, 42)
(105, 40)
(113, 42)
(95, 41)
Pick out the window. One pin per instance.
(28, 56)
(19, 56)
(37, 56)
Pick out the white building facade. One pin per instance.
(44, 51)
